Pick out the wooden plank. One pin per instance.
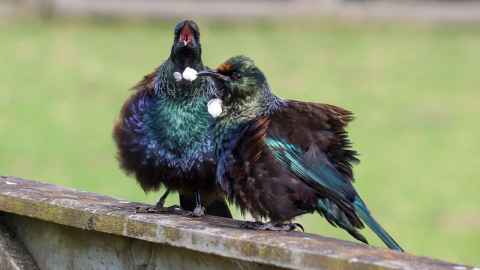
(61, 247)
(207, 235)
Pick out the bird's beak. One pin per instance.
(186, 35)
(214, 75)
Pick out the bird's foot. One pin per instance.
(156, 209)
(199, 211)
(259, 226)
(251, 225)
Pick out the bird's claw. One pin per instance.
(298, 225)
(259, 226)
(251, 225)
(156, 209)
(199, 211)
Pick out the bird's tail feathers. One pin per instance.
(366, 217)
(337, 217)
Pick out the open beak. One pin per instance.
(186, 35)
(214, 75)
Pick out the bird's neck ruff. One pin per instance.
(187, 59)
(165, 84)
(240, 113)
(262, 103)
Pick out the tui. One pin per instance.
(279, 159)
(162, 133)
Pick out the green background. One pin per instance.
(413, 88)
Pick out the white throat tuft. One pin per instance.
(189, 74)
(215, 107)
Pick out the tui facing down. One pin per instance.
(279, 159)
(162, 133)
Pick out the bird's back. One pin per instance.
(258, 182)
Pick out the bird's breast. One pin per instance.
(178, 134)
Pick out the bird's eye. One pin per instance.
(235, 76)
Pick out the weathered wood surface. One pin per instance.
(61, 247)
(208, 235)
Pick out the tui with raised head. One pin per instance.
(162, 132)
(279, 159)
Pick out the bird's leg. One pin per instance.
(161, 201)
(272, 226)
(159, 206)
(199, 210)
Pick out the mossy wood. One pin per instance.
(107, 231)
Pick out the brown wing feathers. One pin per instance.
(253, 146)
(321, 125)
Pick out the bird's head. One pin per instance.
(238, 78)
(242, 86)
(186, 49)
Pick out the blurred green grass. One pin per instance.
(414, 90)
